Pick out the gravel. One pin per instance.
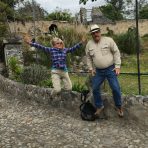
(27, 124)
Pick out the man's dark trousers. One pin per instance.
(97, 80)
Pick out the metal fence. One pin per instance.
(128, 82)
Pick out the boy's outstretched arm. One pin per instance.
(72, 49)
(36, 45)
(77, 46)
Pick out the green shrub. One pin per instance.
(70, 36)
(34, 74)
(28, 55)
(145, 40)
(46, 83)
(45, 58)
(14, 68)
(145, 36)
(45, 40)
(3, 29)
(60, 15)
(3, 33)
(126, 41)
(28, 58)
(78, 87)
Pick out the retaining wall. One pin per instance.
(135, 107)
(118, 27)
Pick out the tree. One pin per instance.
(110, 12)
(130, 8)
(5, 8)
(112, 9)
(26, 11)
(143, 13)
(5, 11)
(61, 15)
(118, 9)
(117, 4)
(10, 3)
(142, 3)
(85, 1)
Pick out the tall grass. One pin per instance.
(126, 41)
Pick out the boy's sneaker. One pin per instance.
(120, 111)
(99, 110)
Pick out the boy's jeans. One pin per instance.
(60, 77)
(97, 80)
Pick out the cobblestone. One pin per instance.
(26, 124)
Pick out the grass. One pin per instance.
(129, 84)
(78, 79)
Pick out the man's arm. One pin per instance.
(116, 54)
(89, 61)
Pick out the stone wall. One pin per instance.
(135, 107)
(39, 94)
(118, 27)
(24, 91)
(122, 26)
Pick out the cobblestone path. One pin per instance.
(26, 124)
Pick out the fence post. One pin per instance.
(138, 47)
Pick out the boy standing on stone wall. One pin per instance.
(59, 72)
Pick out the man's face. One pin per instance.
(96, 36)
(58, 45)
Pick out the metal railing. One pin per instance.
(128, 82)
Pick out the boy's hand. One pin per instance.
(83, 40)
(27, 39)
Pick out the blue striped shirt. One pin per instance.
(58, 56)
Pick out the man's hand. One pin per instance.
(117, 71)
(92, 72)
(27, 39)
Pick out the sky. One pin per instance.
(72, 5)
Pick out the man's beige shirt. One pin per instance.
(103, 54)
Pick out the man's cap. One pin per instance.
(94, 28)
